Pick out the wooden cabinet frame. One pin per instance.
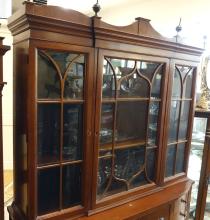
(41, 27)
(152, 187)
(88, 126)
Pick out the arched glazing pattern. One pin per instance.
(131, 98)
(60, 106)
(49, 85)
(181, 103)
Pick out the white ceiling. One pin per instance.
(164, 14)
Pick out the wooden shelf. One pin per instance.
(65, 101)
(122, 145)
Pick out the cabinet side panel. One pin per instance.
(20, 138)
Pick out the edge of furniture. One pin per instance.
(39, 24)
(3, 50)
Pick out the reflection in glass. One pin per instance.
(48, 78)
(140, 180)
(147, 68)
(48, 188)
(62, 59)
(128, 162)
(195, 160)
(170, 160)
(74, 79)
(48, 131)
(72, 132)
(108, 88)
(184, 70)
(184, 119)
(116, 186)
(71, 185)
(131, 121)
(106, 131)
(150, 163)
(176, 89)
(133, 86)
(104, 172)
(180, 158)
(122, 66)
(187, 87)
(153, 122)
(156, 84)
(174, 120)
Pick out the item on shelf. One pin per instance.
(99, 115)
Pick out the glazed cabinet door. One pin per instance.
(130, 108)
(180, 117)
(63, 129)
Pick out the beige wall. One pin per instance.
(7, 98)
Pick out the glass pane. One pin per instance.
(147, 69)
(48, 190)
(122, 67)
(71, 185)
(73, 87)
(131, 121)
(48, 133)
(156, 84)
(207, 209)
(150, 163)
(133, 86)
(174, 121)
(184, 70)
(106, 131)
(153, 122)
(116, 186)
(108, 88)
(129, 83)
(62, 59)
(195, 160)
(176, 89)
(184, 119)
(180, 158)
(72, 132)
(104, 172)
(140, 180)
(188, 85)
(129, 162)
(170, 160)
(48, 78)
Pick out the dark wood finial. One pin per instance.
(96, 8)
(179, 27)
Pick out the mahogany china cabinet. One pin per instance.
(103, 118)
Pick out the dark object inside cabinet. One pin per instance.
(107, 117)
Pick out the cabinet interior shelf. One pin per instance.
(129, 99)
(123, 145)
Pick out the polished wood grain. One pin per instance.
(146, 205)
(42, 27)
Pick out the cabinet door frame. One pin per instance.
(173, 63)
(88, 110)
(139, 191)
